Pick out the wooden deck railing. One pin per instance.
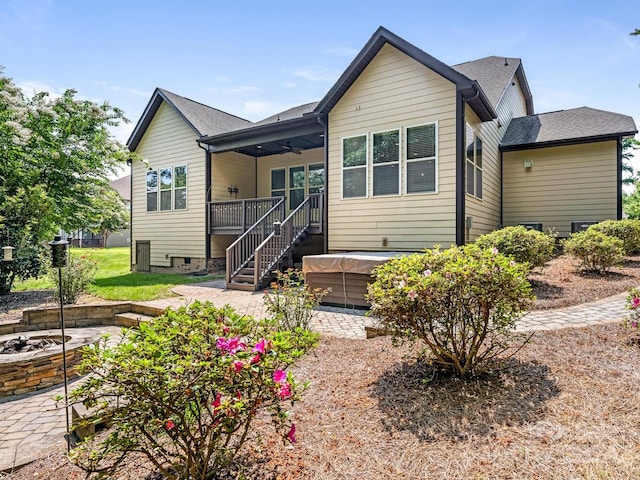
(239, 214)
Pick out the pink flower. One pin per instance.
(635, 303)
(285, 391)
(169, 425)
(232, 345)
(260, 346)
(279, 376)
(494, 250)
(256, 358)
(237, 366)
(412, 295)
(427, 272)
(292, 434)
(512, 263)
(217, 401)
(225, 329)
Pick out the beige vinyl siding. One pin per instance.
(266, 164)
(169, 142)
(565, 184)
(486, 212)
(393, 92)
(227, 169)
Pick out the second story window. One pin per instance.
(473, 163)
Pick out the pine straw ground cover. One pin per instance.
(567, 406)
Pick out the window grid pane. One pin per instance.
(165, 179)
(180, 199)
(385, 179)
(180, 176)
(470, 176)
(354, 151)
(165, 200)
(421, 176)
(421, 142)
(354, 182)
(278, 179)
(386, 147)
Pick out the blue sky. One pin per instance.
(255, 58)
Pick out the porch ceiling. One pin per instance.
(271, 139)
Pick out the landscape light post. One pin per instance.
(7, 259)
(59, 260)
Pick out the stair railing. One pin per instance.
(240, 252)
(275, 247)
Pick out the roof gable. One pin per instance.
(494, 74)
(582, 124)
(470, 89)
(202, 119)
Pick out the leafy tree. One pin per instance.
(107, 213)
(55, 153)
(635, 32)
(628, 146)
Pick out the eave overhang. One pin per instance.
(564, 142)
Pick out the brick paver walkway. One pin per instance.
(32, 422)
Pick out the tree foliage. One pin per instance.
(55, 153)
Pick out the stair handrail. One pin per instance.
(274, 247)
(240, 252)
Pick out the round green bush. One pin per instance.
(627, 230)
(596, 251)
(524, 246)
(462, 303)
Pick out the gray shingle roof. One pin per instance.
(123, 187)
(204, 120)
(289, 114)
(566, 125)
(492, 73)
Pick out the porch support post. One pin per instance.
(324, 219)
(207, 207)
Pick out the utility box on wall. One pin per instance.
(532, 226)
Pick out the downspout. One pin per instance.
(619, 178)
(207, 186)
(501, 189)
(460, 178)
(130, 165)
(325, 201)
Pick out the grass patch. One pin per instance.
(114, 281)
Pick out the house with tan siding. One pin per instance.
(403, 153)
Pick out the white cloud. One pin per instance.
(315, 74)
(31, 87)
(343, 51)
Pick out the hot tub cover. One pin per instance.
(352, 262)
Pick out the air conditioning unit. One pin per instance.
(532, 226)
(581, 226)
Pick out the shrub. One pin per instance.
(462, 303)
(291, 302)
(596, 251)
(522, 245)
(184, 388)
(626, 230)
(76, 277)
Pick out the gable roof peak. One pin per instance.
(470, 89)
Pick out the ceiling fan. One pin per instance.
(289, 149)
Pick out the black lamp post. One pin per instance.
(59, 260)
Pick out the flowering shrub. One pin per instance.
(524, 246)
(627, 230)
(633, 303)
(462, 303)
(291, 302)
(188, 385)
(76, 277)
(596, 251)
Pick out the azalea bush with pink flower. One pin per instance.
(632, 320)
(184, 389)
(523, 246)
(461, 303)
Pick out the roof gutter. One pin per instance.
(563, 142)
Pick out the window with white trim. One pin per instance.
(354, 167)
(167, 189)
(386, 163)
(152, 191)
(473, 163)
(421, 159)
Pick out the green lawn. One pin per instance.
(114, 281)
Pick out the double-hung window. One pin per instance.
(354, 167)
(152, 191)
(168, 188)
(474, 163)
(421, 159)
(386, 163)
